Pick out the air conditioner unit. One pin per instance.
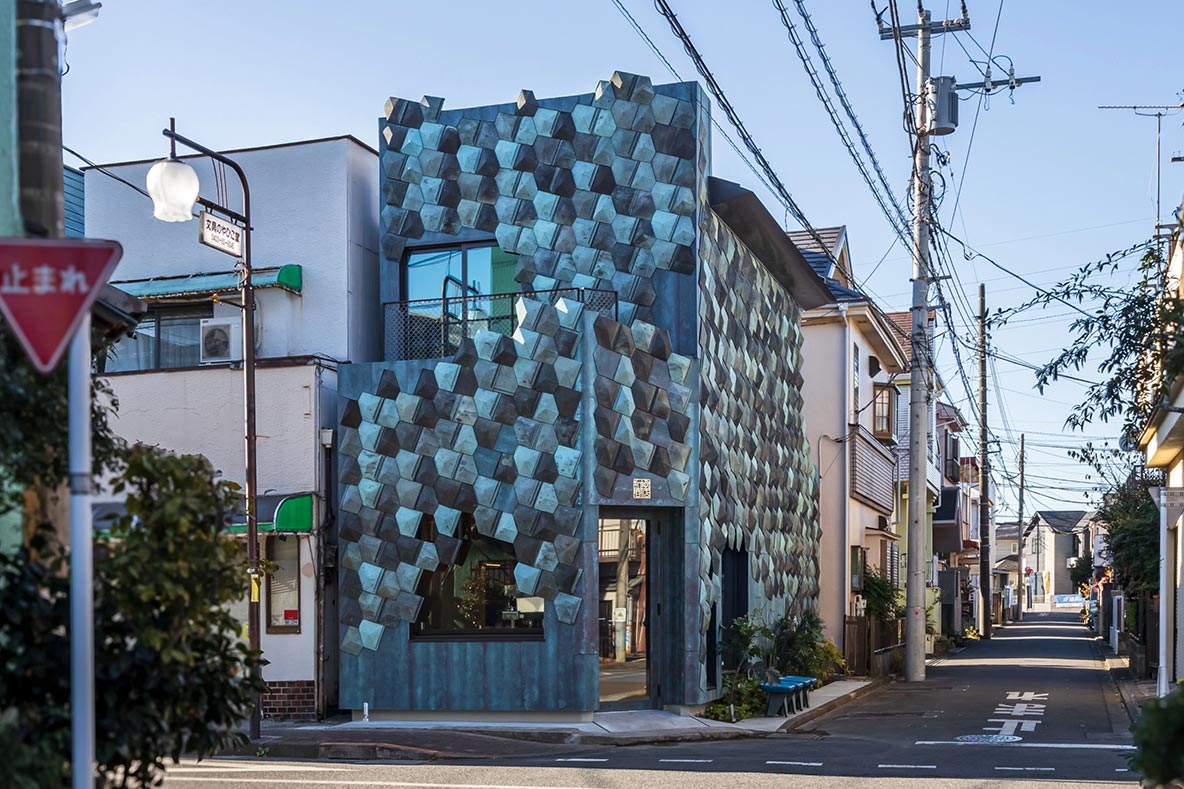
(221, 340)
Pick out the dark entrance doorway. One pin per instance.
(639, 561)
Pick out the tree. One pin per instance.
(33, 411)
(1081, 573)
(172, 676)
(1136, 328)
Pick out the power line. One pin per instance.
(730, 111)
(881, 191)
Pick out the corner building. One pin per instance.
(583, 454)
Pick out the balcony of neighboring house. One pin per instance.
(872, 470)
(460, 290)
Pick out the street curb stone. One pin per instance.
(825, 709)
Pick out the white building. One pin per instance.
(179, 381)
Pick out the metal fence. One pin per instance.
(435, 328)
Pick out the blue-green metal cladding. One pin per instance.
(691, 384)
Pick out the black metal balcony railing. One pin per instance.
(434, 328)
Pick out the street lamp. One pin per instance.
(173, 187)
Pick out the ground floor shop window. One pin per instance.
(283, 584)
(477, 594)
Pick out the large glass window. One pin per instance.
(167, 337)
(477, 595)
(464, 270)
(454, 292)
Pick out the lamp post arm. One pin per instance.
(245, 217)
(251, 433)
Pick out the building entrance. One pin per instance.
(635, 612)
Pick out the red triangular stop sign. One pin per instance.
(47, 285)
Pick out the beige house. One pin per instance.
(850, 354)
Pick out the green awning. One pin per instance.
(292, 514)
(289, 278)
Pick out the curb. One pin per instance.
(683, 735)
(825, 709)
(1112, 670)
(372, 751)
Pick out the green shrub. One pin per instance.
(881, 597)
(1158, 734)
(743, 698)
(801, 648)
(171, 675)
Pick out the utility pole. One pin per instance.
(1022, 583)
(919, 380)
(42, 204)
(984, 470)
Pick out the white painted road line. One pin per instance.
(1093, 746)
(688, 761)
(1121, 770)
(581, 760)
(797, 764)
(1029, 769)
(907, 766)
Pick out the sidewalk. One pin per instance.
(1134, 692)
(432, 740)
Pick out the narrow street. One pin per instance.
(1032, 704)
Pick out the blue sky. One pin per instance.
(1050, 181)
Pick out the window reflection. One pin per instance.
(476, 594)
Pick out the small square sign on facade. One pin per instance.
(642, 488)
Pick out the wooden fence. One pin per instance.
(868, 644)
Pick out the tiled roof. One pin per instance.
(816, 255)
(902, 326)
(1061, 520)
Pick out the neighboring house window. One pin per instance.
(855, 384)
(167, 337)
(884, 412)
(953, 458)
(283, 585)
(476, 596)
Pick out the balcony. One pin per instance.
(872, 470)
(435, 328)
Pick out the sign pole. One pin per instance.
(82, 648)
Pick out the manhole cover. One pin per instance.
(988, 738)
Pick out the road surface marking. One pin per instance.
(797, 764)
(1121, 770)
(907, 766)
(1088, 746)
(400, 784)
(581, 760)
(1029, 769)
(688, 761)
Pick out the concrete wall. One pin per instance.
(201, 412)
(313, 204)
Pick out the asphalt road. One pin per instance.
(1038, 686)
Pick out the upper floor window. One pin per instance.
(884, 412)
(462, 270)
(855, 406)
(167, 337)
